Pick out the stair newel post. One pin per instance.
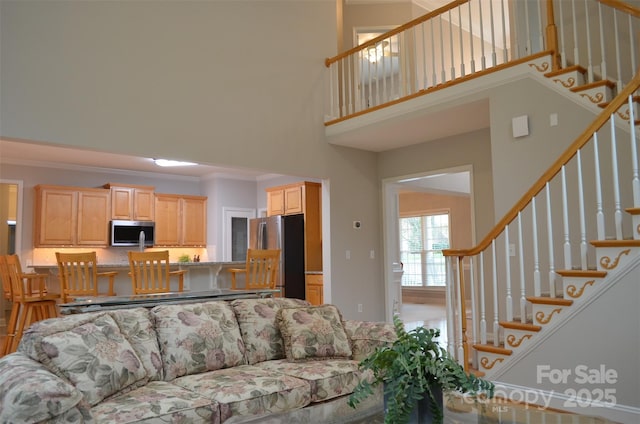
(565, 220)
(616, 183)
(552, 271)
(634, 155)
(523, 294)
(583, 225)
(451, 298)
(507, 272)
(462, 349)
(536, 257)
(599, 212)
(552, 37)
(496, 320)
(483, 317)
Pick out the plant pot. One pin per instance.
(422, 413)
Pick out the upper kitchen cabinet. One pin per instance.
(292, 199)
(301, 198)
(180, 220)
(71, 216)
(132, 202)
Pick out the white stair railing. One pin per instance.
(568, 190)
(464, 37)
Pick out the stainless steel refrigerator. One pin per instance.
(287, 234)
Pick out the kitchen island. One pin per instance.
(200, 276)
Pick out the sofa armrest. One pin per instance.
(30, 393)
(366, 336)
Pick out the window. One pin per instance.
(422, 239)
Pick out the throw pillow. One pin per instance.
(96, 358)
(313, 332)
(198, 337)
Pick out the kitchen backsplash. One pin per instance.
(110, 256)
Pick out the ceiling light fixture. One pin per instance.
(168, 162)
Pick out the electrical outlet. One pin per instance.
(512, 249)
(348, 254)
(372, 254)
(359, 307)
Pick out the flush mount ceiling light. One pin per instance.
(169, 162)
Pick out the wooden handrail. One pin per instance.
(410, 24)
(622, 6)
(569, 153)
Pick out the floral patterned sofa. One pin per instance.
(262, 360)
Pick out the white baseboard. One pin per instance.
(619, 413)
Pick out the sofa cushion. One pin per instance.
(249, 390)
(96, 358)
(137, 327)
(313, 332)
(328, 379)
(366, 336)
(30, 393)
(158, 401)
(259, 327)
(197, 337)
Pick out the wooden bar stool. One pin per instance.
(15, 307)
(29, 292)
(261, 269)
(79, 275)
(150, 272)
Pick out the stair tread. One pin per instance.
(633, 211)
(493, 349)
(541, 300)
(516, 325)
(588, 273)
(566, 71)
(615, 243)
(595, 84)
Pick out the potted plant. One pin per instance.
(415, 368)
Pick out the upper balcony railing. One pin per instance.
(468, 38)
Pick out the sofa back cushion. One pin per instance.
(97, 359)
(199, 337)
(260, 332)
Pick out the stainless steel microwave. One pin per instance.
(132, 233)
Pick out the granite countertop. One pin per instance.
(126, 264)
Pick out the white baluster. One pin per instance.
(541, 31)
(603, 56)
(370, 102)
(563, 51)
(576, 52)
(451, 52)
(583, 226)
(536, 258)
(565, 221)
(523, 291)
(616, 184)
(632, 46)
(588, 33)
(384, 66)
(332, 91)
(599, 212)
(526, 20)
(507, 272)
(619, 82)
(484, 62)
(634, 154)
(434, 76)
(462, 70)
(473, 60)
(442, 71)
(505, 51)
(351, 105)
(424, 58)
(483, 316)
(552, 273)
(344, 87)
(496, 322)
(450, 305)
(493, 35)
(474, 312)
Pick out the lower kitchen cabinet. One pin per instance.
(314, 289)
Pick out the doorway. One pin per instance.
(422, 195)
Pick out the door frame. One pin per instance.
(228, 213)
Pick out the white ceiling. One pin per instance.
(26, 153)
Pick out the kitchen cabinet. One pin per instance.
(71, 216)
(314, 289)
(180, 220)
(132, 202)
(301, 198)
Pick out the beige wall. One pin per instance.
(162, 79)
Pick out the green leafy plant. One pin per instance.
(184, 258)
(413, 367)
